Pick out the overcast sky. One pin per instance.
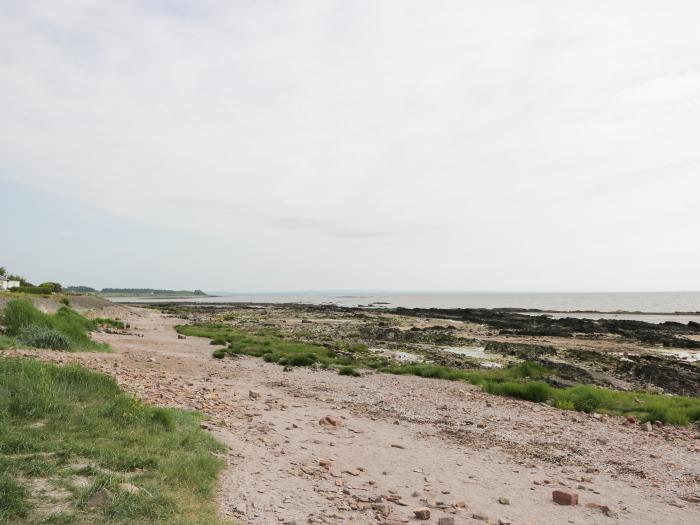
(395, 145)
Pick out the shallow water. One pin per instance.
(668, 303)
(478, 352)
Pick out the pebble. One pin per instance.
(422, 513)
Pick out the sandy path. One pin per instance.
(407, 439)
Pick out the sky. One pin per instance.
(366, 145)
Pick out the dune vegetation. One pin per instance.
(25, 325)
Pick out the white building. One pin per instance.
(6, 284)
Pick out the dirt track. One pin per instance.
(407, 439)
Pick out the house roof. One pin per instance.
(3, 278)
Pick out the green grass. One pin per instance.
(64, 330)
(58, 422)
(523, 381)
(114, 323)
(275, 349)
(7, 343)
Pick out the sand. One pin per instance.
(412, 440)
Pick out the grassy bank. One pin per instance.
(25, 325)
(69, 437)
(523, 381)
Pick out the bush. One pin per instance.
(55, 287)
(39, 336)
(35, 290)
(348, 371)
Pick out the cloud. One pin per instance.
(406, 144)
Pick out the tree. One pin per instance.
(55, 287)
(3, 271)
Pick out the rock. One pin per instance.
(252, 394)
(504, 522)
(563, 497)
(446, 520)
(180, 336)
(382, 508)
(480, 517)
(503, 500)
(128, 487)
(460, 504)
(602, 508)
(422, 513)
(325, 463)
(331, 421)
(631, 420)
(647, 427)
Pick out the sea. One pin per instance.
(655, 307)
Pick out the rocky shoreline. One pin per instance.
(619, 354)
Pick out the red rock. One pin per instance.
(331, 421)
(563, 497)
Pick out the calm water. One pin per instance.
(659, 302)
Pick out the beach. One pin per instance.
(397, 442)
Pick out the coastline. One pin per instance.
(402, 442)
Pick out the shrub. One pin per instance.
(39, 336)
(348, 371)
(34, 290)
